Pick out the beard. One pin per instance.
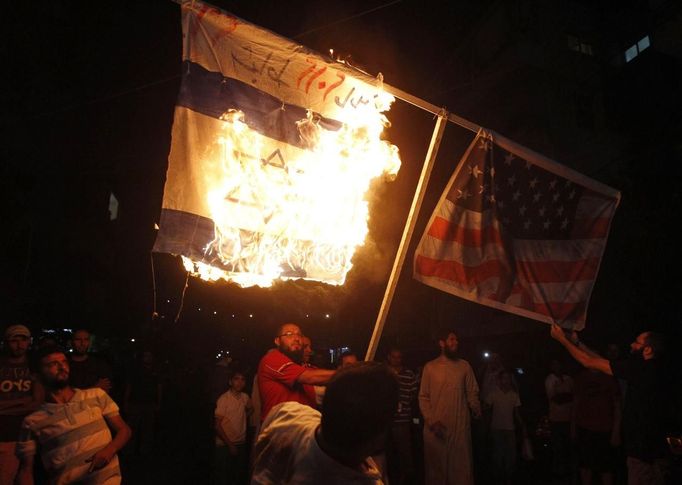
(295, 355)
(450, 354)
(637, 354)
(58, 384)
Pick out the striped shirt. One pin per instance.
(408, 387)
(69, 434)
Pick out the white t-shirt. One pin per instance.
(503, 404)
(231, 407)
(287, 452)
(559, 412)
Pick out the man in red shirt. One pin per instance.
(281, 375)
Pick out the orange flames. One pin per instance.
(283, 212)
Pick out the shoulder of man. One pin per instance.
(275, 361)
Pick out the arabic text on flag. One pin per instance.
(273, 149)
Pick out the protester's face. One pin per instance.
(450, 345)
(54, 369)
(81, 342)
(238, 382)
(347, 360)
(395, 358)
(290, 342)
(307, 349)
(18, 346)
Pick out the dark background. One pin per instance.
(88, 95)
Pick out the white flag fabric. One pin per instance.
(245, 149)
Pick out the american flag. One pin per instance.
(519, 232)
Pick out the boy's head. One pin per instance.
(238, 381)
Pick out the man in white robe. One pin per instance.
(448, 397)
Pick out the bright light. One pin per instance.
(486, 354)
(302, 213)
(215, 313)
(132, 340)
(326, 315)
(250, 315)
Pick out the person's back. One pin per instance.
(300, 445)
(505, 403)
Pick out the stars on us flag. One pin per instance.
(529, 201)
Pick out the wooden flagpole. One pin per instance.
(429, 161)
(407, 233)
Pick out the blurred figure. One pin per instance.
(72, 423)
(87, 369)
(448, 397)
(399, 452)
(348, 358)
(489, 374)
(231, 412)
(300, 445)
(613, 354)
(142, 402)
(559, 390)
(307, 351)
(20, 395)
(505, 418)
(595, 425)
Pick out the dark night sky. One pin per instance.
(89, 92)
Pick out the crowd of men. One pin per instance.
(352, 424)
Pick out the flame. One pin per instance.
(302, 218)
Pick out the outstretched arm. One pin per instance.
(316, 377)
(591, 361)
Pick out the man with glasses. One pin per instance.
(281, 375)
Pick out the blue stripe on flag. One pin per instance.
(212, 94)
(183, 233)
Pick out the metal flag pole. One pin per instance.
(407, 233)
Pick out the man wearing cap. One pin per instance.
(20, 394)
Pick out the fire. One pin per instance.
(288, 212)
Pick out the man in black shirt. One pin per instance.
(645, 412)
(87, 370)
